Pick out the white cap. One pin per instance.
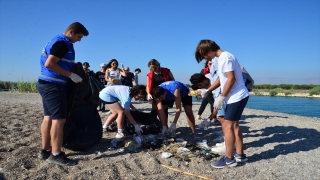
(103, 65)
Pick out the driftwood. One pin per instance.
(190, 174)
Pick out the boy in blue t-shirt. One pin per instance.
(165, 95)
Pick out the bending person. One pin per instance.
(155, 77)
(209, 99)
(165, 95)
(110, 95)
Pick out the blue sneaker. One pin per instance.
(240, 157)
(224, 162)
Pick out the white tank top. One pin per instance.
(115, 74)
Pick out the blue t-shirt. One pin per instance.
(117, 93)
(171, 86)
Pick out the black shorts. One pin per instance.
(186, 101)
(105, 102)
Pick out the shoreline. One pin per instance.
(304, 95)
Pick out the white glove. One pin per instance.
(149, 97)
(204, 93)
(164, 130)
(75, 78)
(219, 102)
(137, 129)
(173, 127)
(122, 67)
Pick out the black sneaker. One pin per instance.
(61, 160)
(44, 154)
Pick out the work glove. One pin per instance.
(173, 127)
(219, 102)
(204, 93)
(164, 130)
(149, 97)
(75, 78)
(137, 129)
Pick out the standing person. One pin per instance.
(127, 77)
(113, 73)
(111, 95)
(56, 61)
(136, 78)
(100, 75)
(85, 67)
(233, 93)
(209, 99)
(155, 77)
(165, 95)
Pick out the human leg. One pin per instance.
(45, 133)
(190, 117)
(56, 134)
(202, 107)
(117, 112)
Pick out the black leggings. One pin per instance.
(208, 99)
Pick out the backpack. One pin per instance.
(248, 81)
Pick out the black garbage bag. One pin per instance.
(83, 128)
(150, 124)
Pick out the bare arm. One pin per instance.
(161, 114)
(132, 107)
(52, 64)
(148, 86)
(231, 79)
(129, 116)
(106, 77)
(215, 85)
(177, 99)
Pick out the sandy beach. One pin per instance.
(278, 146)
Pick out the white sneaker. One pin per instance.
(119, 135)
(219, 149)
(220, 144)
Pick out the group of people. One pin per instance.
(110, 74)
(223, 80)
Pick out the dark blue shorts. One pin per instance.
(54, 100)
(234, 110)
(186, 101)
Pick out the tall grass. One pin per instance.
(20, 86)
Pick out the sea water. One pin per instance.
(291, 105)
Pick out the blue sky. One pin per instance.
(277, 41)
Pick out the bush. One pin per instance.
(273, 92)
(314, 91)
(286, 93)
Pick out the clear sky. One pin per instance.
(277, 41)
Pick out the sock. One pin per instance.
(56, 154)
(120, 130)
(105, 126)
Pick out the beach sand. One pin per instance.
(278, 146)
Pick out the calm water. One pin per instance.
(291, 105)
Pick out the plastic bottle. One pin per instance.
(194, 93)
